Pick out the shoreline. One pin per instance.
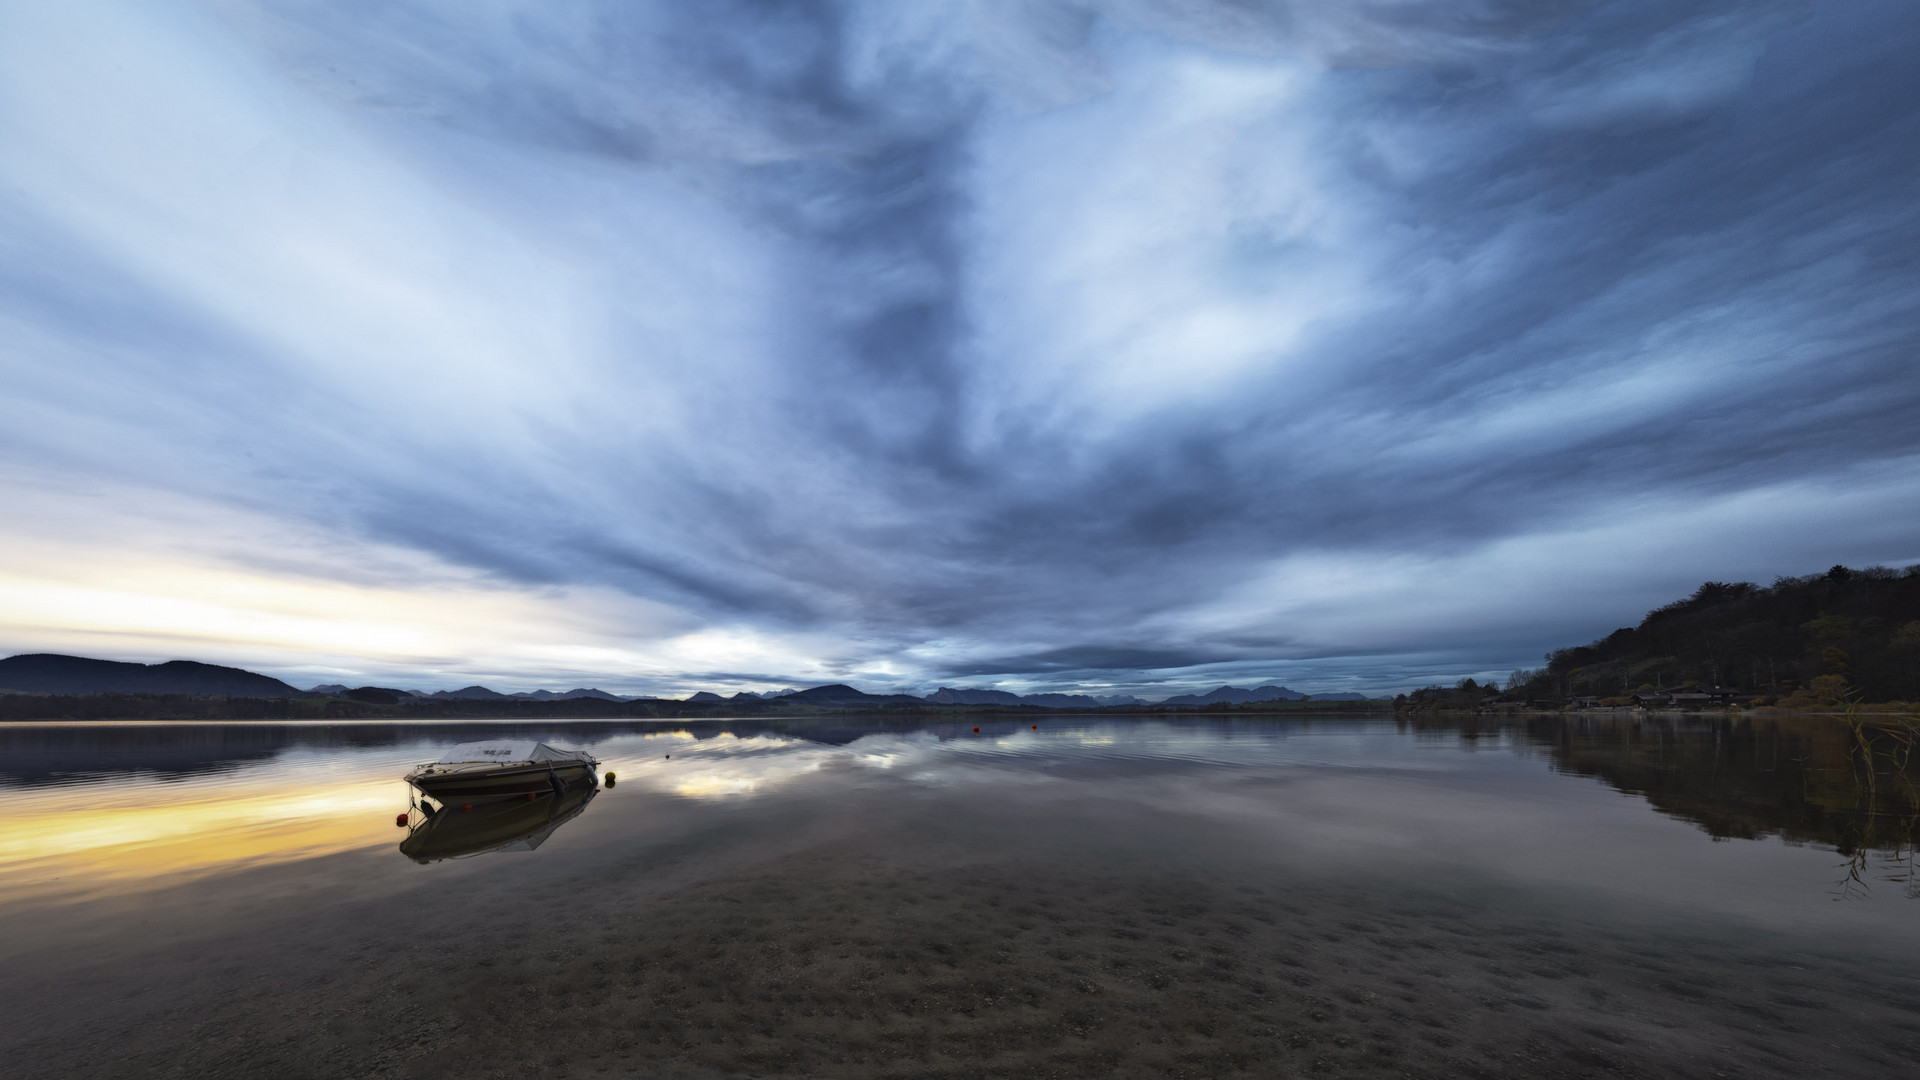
(77, 708)
(28, 707)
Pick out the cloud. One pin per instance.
(1055, 343)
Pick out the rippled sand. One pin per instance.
(822, 966)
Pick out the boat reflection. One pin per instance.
(515, 825)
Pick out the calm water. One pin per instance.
(1670, 897)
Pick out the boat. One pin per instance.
(502, 825)
(488, 771)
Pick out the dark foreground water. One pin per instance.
(1095, 897)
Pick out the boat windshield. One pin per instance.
(509, 751)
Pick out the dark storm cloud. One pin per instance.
(1060, 341)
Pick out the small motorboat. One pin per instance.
(487, 771)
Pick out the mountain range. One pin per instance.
(51, 673)
(1233, 695)
(48, 673)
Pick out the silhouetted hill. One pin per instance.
(947, 695)
(570, 695)
(839, 695)
(1060, 701)
(828, 693)
(706, 695)
(1824, 636)
(376, 695)
(471, 693)
(51, 673)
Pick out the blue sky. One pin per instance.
(1138, 346)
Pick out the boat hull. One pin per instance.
(501, 782)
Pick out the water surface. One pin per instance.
(1091, 896)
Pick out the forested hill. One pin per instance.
(1820, 638)
(52, 673)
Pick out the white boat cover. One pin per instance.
(510, 751)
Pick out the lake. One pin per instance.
(887, 897)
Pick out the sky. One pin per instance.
(1117, 347)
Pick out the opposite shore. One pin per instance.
(188, 707)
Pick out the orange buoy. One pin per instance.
(400, 820)
(465, 806)
(1036, 727)
(976, 729)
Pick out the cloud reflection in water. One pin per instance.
(1516, 801)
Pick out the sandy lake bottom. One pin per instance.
(1096, 897)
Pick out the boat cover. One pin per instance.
(521, 750)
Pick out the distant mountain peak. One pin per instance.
(947, 695)
(570, 695)
(1234, 695)
(828, 692)
(840, 694)
(472, 693)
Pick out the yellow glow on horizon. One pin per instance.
(128, 575)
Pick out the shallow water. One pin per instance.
(1092, 896)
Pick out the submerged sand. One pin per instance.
(1005, 949)
(828, 966)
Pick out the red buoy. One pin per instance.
(400, 820)
(976, 730)
(465, 806)
(531, 796)
(1036, 727)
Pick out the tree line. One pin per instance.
(1818, 640)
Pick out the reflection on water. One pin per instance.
(81, 845)
(1806, 780)
(1798, 778)
(91, 808)
(102, 834)
(1091, 897)
(508, 825)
